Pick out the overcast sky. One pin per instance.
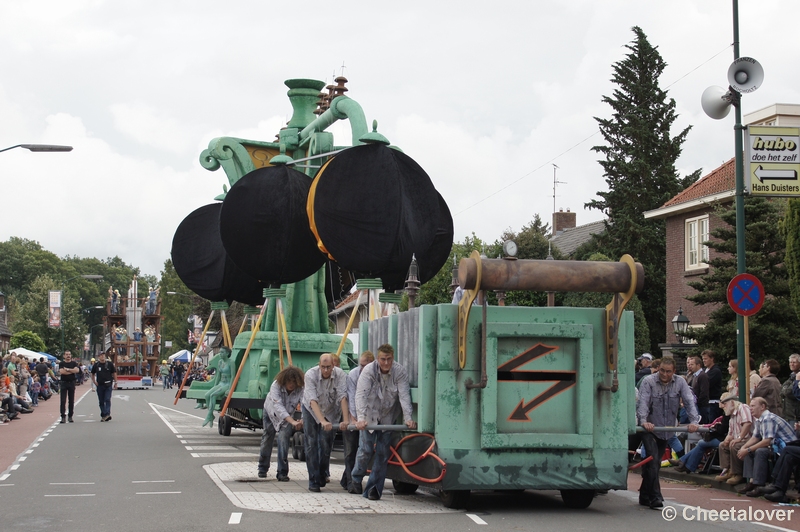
(485, 96)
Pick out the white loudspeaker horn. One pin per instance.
(715, 102)
(745, 74)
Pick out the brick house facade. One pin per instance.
(690, 219)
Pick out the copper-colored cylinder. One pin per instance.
(549, 275)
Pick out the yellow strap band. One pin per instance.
(310, 209)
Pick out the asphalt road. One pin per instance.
(154, 465)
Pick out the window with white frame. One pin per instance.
(696, 234)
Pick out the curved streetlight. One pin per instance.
(39, 147)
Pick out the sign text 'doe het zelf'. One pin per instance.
(773, 161)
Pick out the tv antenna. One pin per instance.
(556, 182)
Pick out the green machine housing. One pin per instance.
(534, 398)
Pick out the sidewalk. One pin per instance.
(19, 434)
(708, 480)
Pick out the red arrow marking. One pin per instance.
(526, 356)
(521, 412)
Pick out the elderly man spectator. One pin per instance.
(789, 403)
(644, 361)
(658, 404)
(383, 391)
(787, 463)
(769, 429)
(351, 436)
(284, 395)
(770, 387)
(324, 401)
(739, 429)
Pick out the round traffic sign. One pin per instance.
(745, 294)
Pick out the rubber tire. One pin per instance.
(301, 448)
(404, 488)
(455, 499)
(577, 499)
(225, 424)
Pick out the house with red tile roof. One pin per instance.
(690, 219)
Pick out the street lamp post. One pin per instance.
(39, 147)
(63, 287)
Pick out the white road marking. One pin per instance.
(477, 519)
(4, 485)
(772, 526)
(14, 467)
(71, 495)
(149, 481)
(217, 455)
(29, 451)
(22, 458)
(236, 518)
(72, 483)
(3, 477)
(680, 489)
(730, 500)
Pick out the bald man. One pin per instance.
(324, 402)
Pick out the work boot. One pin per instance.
(356, 488)
(735, 479)
(262, 474)
(70, 419)
(747, 488)
(725, 475)
(63, 419)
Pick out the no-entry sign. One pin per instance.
(745, 294)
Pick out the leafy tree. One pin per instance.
(774, 330)
(639, 168)
(437, 289)
(791, 228)
(28, 340)
(33, 316)
(176, 309)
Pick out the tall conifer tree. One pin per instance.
(639, 168)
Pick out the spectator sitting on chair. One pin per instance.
(741, 425)
(718, 431)
(769, 429)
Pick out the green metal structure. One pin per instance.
(506, 398)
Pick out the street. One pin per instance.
(155, 465)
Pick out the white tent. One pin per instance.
(27, 354)
(183, 356)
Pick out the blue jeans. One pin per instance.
(351, 438)
(317, 444)
(268, 439)
(104, 398)
(692, 459)
(380, 441)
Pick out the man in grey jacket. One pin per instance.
(383, 389)
(324, 401)
(284, 395)
(657, 406)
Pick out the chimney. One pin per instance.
(563, 220)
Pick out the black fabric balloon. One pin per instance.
(204, 267)
(373, 207)
(264, 227)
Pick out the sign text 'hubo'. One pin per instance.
(774, 163)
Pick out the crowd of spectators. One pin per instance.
(749, 437)
(23, 383)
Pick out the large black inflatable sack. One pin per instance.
(372, 207)
(264, 228)
(204, 267)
